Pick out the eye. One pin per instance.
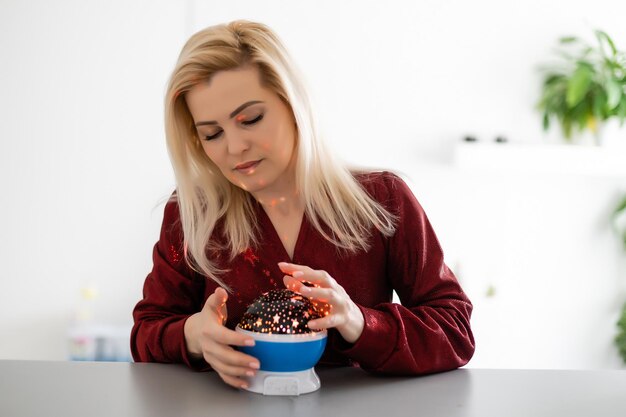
(213, 136)
(253, 121)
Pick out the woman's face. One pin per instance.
(245, 129)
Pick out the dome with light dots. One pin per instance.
(280, 312)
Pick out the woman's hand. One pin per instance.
(208, 338)
(330, 298)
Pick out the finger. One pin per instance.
(323, 307)
(225, 336)
(229, 369)
(292, 283)
(304, 273)
(332, 320)
(234, 381)
(289, 268)
(217, 303)
(297, 271)
(326, 295)
(231, 357)
(322, 294)
(217, 299)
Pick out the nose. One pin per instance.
(237, 143)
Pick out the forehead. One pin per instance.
(225, 91)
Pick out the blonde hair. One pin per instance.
(332, 196)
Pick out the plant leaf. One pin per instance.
(612, 65)
(621, 110)
(568, 39)
(602, 36)
(614, 93)
(552, 79)
(578, 85)
(566, 124)
(620, 207)
(598, 105)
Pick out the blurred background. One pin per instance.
(425, 88)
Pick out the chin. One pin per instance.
(253, 184)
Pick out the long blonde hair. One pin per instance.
(333, 198)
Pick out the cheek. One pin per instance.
(281, 142)
(268, 137)
(288, 147)
(212, 152)
(208, 151)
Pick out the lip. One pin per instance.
(244, 166)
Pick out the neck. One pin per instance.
(283, 197)
(282, 203)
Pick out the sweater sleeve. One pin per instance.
(172, 292)
(430, 331)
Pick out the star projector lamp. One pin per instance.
(284, 345)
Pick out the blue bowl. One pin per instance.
(285, 352)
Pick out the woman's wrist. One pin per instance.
(191, 338)
(354, 327)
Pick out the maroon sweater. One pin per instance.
(429, 332)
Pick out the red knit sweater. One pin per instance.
(429, 332)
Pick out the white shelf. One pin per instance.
(541, 158)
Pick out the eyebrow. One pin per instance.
(237, 110)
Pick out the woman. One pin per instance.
(261, 204)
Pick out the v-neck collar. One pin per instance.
(270, 235)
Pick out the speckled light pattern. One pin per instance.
(280, 312)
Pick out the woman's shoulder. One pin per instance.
(374, 176)
(380, 184)
(171, 213)
(171, 226)
(172, 219)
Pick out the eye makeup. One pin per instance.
(241, 119)
(253, 121)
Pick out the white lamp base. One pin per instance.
(284, 383)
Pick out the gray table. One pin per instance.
(68, 389)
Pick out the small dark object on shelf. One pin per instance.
(501, 139)
(470, 139)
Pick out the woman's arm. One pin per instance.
(430, 331)
(172, 292)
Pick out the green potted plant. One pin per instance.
(586, 88)
(620, 339)
(619, 224)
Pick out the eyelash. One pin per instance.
(245, 122)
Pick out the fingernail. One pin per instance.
(244, 386)
(305, 290)
(249, 373)
(297, 274)
(254, 365)
(249, 342)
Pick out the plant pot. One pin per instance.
(612, 135)
(608, 135)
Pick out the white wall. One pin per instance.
(415, 76)
(396, 84)
(82, 160)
